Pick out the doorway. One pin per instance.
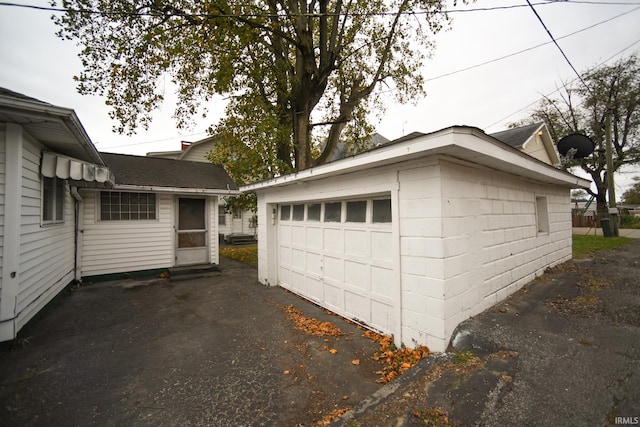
(191, 232)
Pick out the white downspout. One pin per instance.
(79, 228)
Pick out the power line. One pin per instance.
(154, 141)
(558, 46)
(527, 49)
(557, 90)
(312, 15)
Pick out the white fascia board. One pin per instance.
(461, 142)
(65, 116)
(175, 190)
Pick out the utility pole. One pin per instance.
(613, 211)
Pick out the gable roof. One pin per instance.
(58, 128)
(140, 171)
(181, 154)
(521, 137)
(517, 137)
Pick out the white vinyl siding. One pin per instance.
(120, 246)
(235, 225)
(3, 147)
(198, 152)
(535, 148)
(46, 253)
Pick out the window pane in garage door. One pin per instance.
(285, 212)
(332, 212)
(356, 211)
(298, 212)
(382, 210)
(313, 212)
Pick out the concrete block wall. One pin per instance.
(493, 215)
(422, 255)
(467, 237)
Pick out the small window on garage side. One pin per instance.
(52, 200)
(542, 214)
(285, 212)
(298, 212)
(332, 212)
(313, 212)
(357, 211)
(382, 210)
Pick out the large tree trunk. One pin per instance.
(302, 138)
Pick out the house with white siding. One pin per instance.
(43, 150)
(414, 237)
(68, 211)
(160, 213)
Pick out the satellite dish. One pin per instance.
(582, 144)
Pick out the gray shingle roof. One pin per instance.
(169, 173)
(518, 136)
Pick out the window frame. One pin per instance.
(542, 215)
(373, 209)
(57, 198)
(222, 214)
(100, 214)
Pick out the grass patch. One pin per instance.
(583, 246)
(244, 254)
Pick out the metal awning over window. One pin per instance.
(57, 165)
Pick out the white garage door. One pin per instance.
(339, 254)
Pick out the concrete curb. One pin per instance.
(391, 388)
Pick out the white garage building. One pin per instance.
(418, 235)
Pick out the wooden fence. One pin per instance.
(589, 221)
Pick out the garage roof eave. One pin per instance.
(462, 142)
(176, 190)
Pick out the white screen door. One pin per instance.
(192, 232)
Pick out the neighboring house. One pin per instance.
(418, 235)
(229, 223)
(63, 207)
(194, 151)
(534, 140)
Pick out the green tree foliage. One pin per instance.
(299, 74)
(611, 90)
(632, 195)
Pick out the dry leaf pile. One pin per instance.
(334, 415)
(396, 361)
(310, 325)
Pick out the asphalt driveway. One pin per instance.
(214, 351)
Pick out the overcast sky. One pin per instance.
(38, 64)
